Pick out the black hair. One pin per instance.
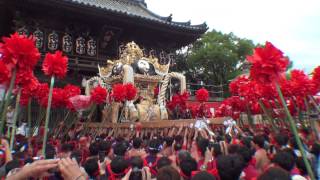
(216, 150)
(203, 175)
(188, 165)
(178, 138)
(218, 138)
(136, 143)
(154, 146)
(281, 139)
(227, 138)
(163, 161)
(118, 165)
(103, 136)
(13, 164)
(265, 134)
(293, 143)
(315, 149)
(245, 153)
(119, 139)
(230, 166)
(274, 173)
(259, 140)
(91, 166)
(183, 155)
(168, 173)
(50, 152)
(66, 147)
(120, 148)
(136, 162)
(77, 155)
(290, 151)
(202, 145)
(105, 146)
(94, 149)
(233, 148)
(246, 141)
(136, 165)
(301, 166)
(169, 140)
(285, 160)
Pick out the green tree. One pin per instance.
(217, 58)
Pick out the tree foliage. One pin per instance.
(216, 57)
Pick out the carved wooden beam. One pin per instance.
(156, 124)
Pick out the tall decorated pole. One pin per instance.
(98, 96)
(268, 66)
(54, 65)
(29, 117)
(296, 135)
(19, 55)
(48, 110)
(15, 117)
(202, 96)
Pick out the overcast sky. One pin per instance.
(291, 25)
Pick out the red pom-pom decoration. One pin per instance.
(24, 99)
(235, 85)
(19, 50)
(131, 91)
(316, 74)
(202, 95)
(26, 79)
(55, 65)
(4, 73)
(99, 95)
(42, 91)
(267, 64)
(316, 77)
(58, 100)
(119, 93)
(70, 91)
(138, 127)
(301, 84)
(179, 101)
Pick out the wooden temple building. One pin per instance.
(91, 31)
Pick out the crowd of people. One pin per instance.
(176, 153)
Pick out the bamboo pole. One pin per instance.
(296, 135)
(44, 143)
(268, 115)
(29, 117)
(15, 117)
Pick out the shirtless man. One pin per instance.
(262, 160)
(137, 149)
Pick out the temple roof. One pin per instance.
(137, 9)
